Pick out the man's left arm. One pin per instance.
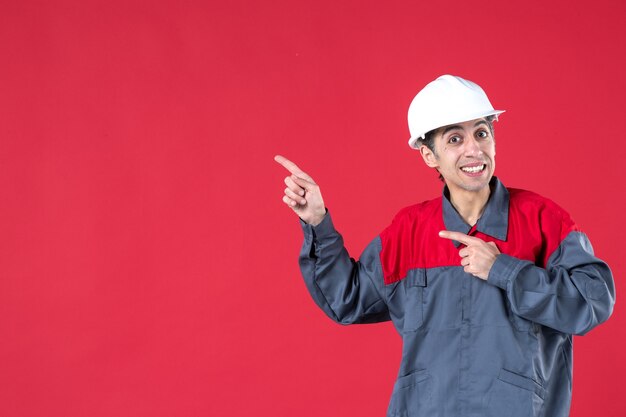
(573, 294)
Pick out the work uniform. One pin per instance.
(500, 347)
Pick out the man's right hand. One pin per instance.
(302, 194)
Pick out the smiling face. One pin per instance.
(464, 154)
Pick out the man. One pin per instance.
(486, 285)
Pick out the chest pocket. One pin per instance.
(414, 285)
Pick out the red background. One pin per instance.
(148, 266)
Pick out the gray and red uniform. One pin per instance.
(501, 347)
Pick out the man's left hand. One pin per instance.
(477, 257)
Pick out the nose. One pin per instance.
(472, 147)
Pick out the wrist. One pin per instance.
(316, 219)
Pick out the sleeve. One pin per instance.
(573, 294)
(348, 291)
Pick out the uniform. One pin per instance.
(501, 347)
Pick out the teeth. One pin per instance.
(475, 169)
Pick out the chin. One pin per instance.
(467, 187)
(476, 185)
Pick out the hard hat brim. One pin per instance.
(413, 140)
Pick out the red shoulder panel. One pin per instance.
(536, 227)
(413, 231)
(537, 221)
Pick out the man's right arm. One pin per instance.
(348, 291)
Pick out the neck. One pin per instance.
(470, 204)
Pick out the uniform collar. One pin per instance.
(495, 219)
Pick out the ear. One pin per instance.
(429, 157)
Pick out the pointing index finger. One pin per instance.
(288, 165)
(459, 237)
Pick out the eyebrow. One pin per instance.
(452, 127)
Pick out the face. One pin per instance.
(464, 155)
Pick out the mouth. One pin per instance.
(473, 169)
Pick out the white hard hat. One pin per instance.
(445, 101)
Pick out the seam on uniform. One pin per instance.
(572, 297)
(513, 271)
(366, 311)
(317, 248)
(321, 293)
(379, 268)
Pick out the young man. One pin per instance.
(486, 285)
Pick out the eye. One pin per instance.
(482, 134)
(454, 139)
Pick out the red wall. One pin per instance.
(147, 263)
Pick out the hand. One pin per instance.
(477, 256)
(302, 194)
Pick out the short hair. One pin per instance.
(429, 137)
